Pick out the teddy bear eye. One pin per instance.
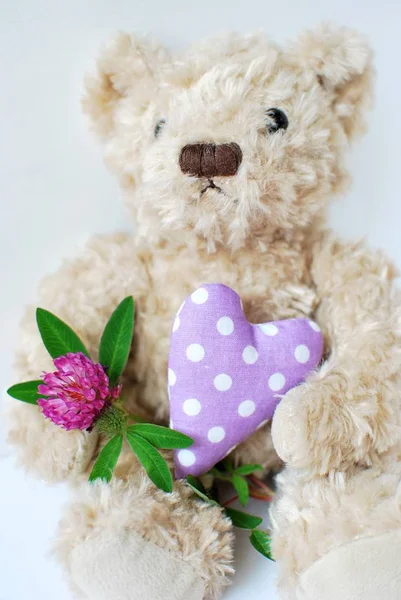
(276, 119)
(159, 126)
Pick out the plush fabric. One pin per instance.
(226, 376)
(127, 539)
(261, 232)
(365, 569)
(130, 568)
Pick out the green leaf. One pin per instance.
(153, 463)
(116, 340)
(243, 520)
(57, 336)
(107, 459)
(260, 540)
(242, 489)
(162, 437)
(248, 469)
(219, 475)
(27, 391)
(199, 493)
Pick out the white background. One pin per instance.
(55, 192)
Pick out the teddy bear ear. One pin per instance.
(342, 61)
(129, 65)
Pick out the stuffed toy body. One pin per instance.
(228, 155)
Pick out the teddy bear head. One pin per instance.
(234, 139)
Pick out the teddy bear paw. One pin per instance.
(364, 569)
(289, 430)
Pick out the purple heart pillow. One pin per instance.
(226, 376)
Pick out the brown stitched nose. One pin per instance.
(210, 160)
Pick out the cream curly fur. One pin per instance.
(131, 505)
(264, 236)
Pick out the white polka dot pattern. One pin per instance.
(276, 382)
(222, 382)
(302, 354)
(250, 355)
(200, 296)
(246, 408)
(195, 352)
(216, 435)
(192, 407)
(172, 378)
(268, 328)
(186, 458)
(225, 326)
(226, 376)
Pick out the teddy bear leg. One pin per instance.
(128, 540)
(339, 536)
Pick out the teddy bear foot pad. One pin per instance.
(130, 567)
(365, 569)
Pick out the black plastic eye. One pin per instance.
(277, 119)
(159, 126)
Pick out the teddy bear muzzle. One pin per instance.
(210, 160)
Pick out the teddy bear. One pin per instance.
(228, 155)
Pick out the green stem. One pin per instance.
(218, 475)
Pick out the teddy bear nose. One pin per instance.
(210, 160)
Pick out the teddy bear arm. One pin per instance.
(83, 293)
(348, 411)
(356, 291)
